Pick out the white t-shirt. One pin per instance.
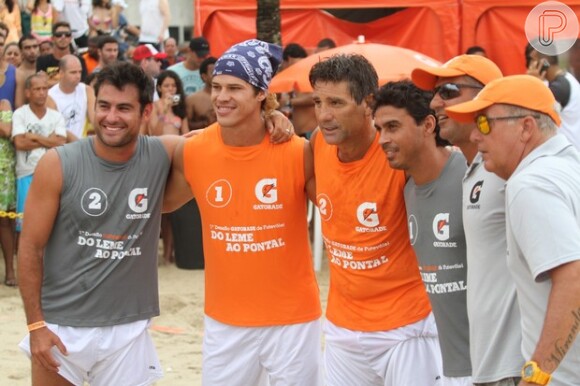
(73, 107)
(25, 121)
(76, 12)
(151, 22)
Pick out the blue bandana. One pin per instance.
(254, 61)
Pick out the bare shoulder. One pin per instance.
(49, 170)
(171, 142)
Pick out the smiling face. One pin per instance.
(340, 119)
(235, 101)
(400, 136)
(455, 132)
(118, 115)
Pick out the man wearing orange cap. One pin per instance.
(494, 321)
(516, 132)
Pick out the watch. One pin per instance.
(532, 373)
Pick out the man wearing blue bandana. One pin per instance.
(262, 308)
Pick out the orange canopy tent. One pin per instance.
(427, 26)
(440, 29)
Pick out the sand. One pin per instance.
(177, 332)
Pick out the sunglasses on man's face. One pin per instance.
(452, 90)
(61, 34)
(483, 121)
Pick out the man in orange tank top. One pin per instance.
(379, 328)
(261, 298)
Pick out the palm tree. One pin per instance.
(268, 21)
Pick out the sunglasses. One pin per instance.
(483, 121)
(61, 34)
(452, 90)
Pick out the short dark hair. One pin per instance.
(326, 42)
(122, 74)
(293, 50)
(405, 95)
(28, 81)
(474, 49)
(206, 63)
(59, 24)
(106, 39)
(355, 69)
(25, 37)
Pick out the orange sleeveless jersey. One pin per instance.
(258, 264)
(374, 277)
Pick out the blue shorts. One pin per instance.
(22, 187)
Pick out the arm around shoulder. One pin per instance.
(177, 190)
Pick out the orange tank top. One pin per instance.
(258, 264)
(374, 276)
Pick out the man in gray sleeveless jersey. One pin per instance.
(88, 255)
(410, 139)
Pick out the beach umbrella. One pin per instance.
(392, 63)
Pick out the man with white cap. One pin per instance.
(261, 299)
(494, 320)
(516, 132)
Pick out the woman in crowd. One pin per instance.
(42, 17)
(10, 15)
(168, 117)
(103, 20)
(12, 54)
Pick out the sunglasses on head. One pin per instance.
(483, 121)
(61, 34)
(452, 90)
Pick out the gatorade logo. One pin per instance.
(138, 200)
(267, 190)
(367, 215)
(441, 226)
(475, 192)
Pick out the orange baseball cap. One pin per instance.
(518, 90)
(476, 66)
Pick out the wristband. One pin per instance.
(36, 326)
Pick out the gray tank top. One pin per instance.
(100, 263)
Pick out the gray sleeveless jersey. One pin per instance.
(436, 228)
(100, 263)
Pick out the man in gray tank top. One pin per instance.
(410, 138)
(88, 255)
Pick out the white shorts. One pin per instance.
(276, 355)
(406, 356)
(456, 381)
(104, 356)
